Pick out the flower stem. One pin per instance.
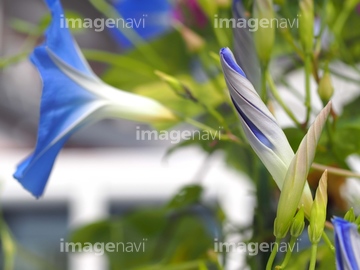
(313, 257)
(328, 242)
(263, 93)
(217, 133)
(288, 253)
(273, 255)
(307, 87)
(335, 171)
(278, 98)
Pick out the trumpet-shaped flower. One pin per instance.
(73, 96)
(347, 244)
(261, 129)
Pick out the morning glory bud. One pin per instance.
(298, 223)
(347, 244)
(325, 89)
(318, 211)
(350, 215)
(265, 34)
(264, 134)
(295, 178)
(306, 25)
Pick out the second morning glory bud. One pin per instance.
(298, 224)
(306, 25)
(318, 211)
(296, 175)
(265, 34)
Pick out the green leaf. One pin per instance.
(186, 196)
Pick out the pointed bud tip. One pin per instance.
(298, 224)
(350, 215)
(227, 57)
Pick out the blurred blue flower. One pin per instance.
(347, 244)
(154, 18)
(72, 97)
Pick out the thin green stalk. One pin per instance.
(335, 171)
(278, 98)
(120, 61)
(307, 87)
(263, 93)
(26, 49)
(344, 15)
(13, 59)
(328, 242)
(288, 253)
(221, 137)
(273, 255)
(313, 257)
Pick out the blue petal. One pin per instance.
(65, 106)
(229, 59)
(258, 134)
(156, 15)
(34, 175)
(345, 256)
(60, 41)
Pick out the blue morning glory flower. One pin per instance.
(73, 96)
(347, 244)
